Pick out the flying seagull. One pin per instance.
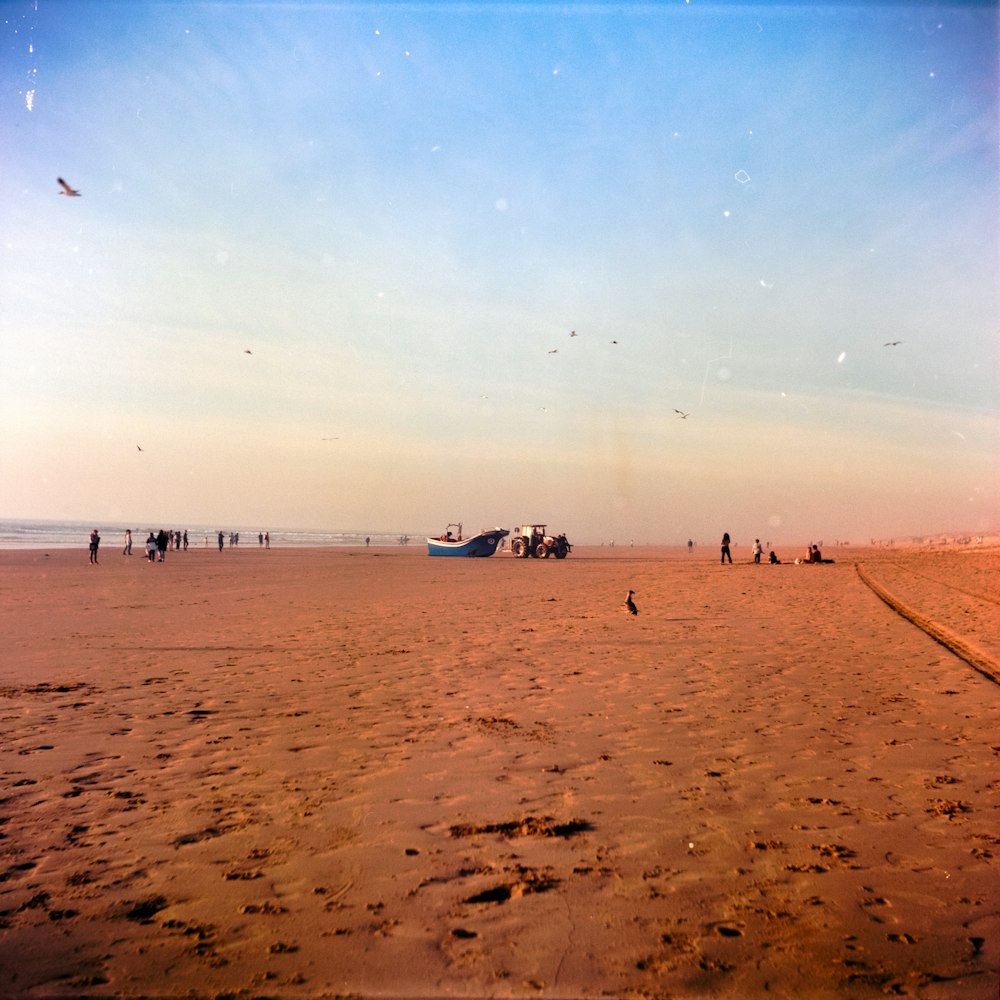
(572, 333)
(630, 604)
(247, 351)
(67, 190)
(892, 343)
(139, 447)
(681, 413)
(554, 351)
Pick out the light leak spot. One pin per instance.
(840, 357)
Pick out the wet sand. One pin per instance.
(304, 773)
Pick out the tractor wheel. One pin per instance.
(518, 549)
(542, 550)
(560, 553)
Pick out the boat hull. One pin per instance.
(481, 545)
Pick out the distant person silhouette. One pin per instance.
(95, 541)
(725, 549)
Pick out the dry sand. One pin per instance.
(304, 773)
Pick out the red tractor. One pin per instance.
(531, 540)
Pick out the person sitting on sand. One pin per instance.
(817, 556)
(773, 559)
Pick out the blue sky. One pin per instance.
(405, 211)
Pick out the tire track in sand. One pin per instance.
(976, 658)
(945, 583)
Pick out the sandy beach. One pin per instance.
(326, 772)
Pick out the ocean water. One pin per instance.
(24, 534)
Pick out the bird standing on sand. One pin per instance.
(67, 190)
(630, 604)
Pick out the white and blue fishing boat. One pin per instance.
(482, 544)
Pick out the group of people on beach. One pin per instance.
(813, 555)
(813, 552)
(263, 539)
(157, 543)
(160, 542)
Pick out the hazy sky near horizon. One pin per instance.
(406, 211)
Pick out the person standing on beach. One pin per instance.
(95, 541)
(151, 547)
(222, 541)
(757, 550)
(267, 539)
(725, 549)
(185, 539)
(127, 551)
(162, 544)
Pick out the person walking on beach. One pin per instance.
(127, 551)
(222, 541)
(185, 539)
(725, 549)
(95, 541)
(162, 544)
(757, 550)
(267, 539)
(151, 547)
